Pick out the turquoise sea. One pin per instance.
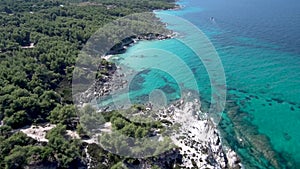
(258, 43)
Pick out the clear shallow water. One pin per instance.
(259, 45)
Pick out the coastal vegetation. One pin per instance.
(39, 44)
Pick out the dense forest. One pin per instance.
(40, 41)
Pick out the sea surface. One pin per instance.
(258, 42)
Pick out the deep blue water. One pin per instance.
(258, 42)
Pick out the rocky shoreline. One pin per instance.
(198, 139)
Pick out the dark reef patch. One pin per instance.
(137, 83)
(194, 70)
(242, 91)
(248, 98)
(278, 100)
(252, 96)
(168, 89)
(145, 72)
(287, 137)
(292, 103)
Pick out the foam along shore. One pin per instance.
(198, 138)
(125, 43)
(107, 57)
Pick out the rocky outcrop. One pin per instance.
(198, 139)
(101, 86)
